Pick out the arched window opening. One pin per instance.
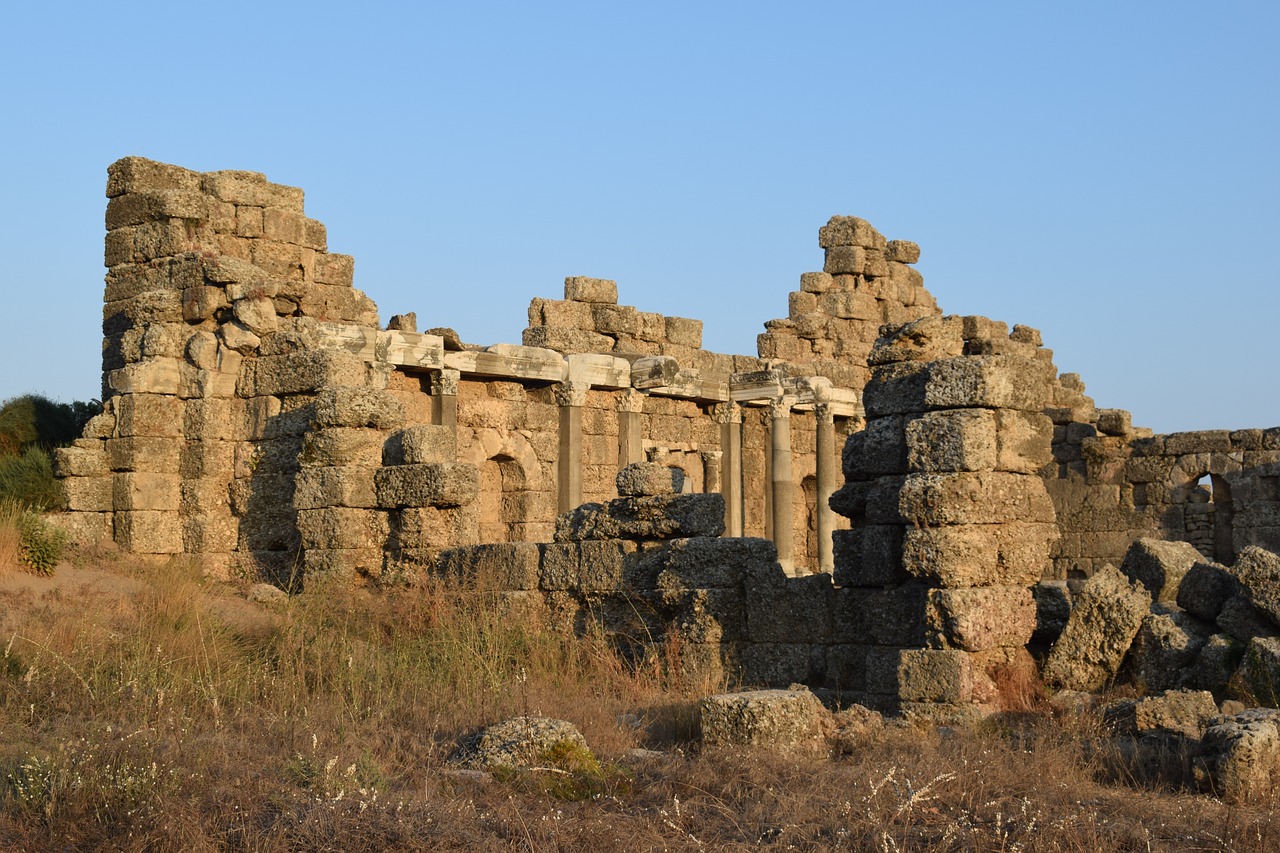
(503, 500)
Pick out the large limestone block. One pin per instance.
(850, 231)
(1186, 713)
(1260, 671)
(1024, 441)
(683, 331)
(990, 497)
(1166, 647)
(135, 208)
(210, 533)
(561, 313)
(146, 491)
(80, 461)
(704, 563)
(86, 494)
(868, 556)
(1108, 612)
(325, 486)
(139, 175)
(851, 305)
(1242, 621)
(438, 484)
(420, 444)
(566, 340)
(1205, 588)
(345, 446)
(342, 528)
(886, 617)
(921, 675)
(782, 609)
(649, 478)
(583, 289)
(82, 528)
(879, 448)
(987, 381)
(149, 414)
(952, 440)
(1216, 664)
(144, 453)
(597, 566)
(1242, 755)
(1160, 566)
(654, 517)
(928, 339)
(972, 555)
(497, 566)
(358, 407)
(341, 563)
(981, 618)
(156, 376)
(762, 718)
(149, 532)
(1259, 574)
(296, 372)
(781, 663)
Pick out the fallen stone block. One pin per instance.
(641, 479)
(1160, 566)
(981, 618)
(526, 742)
(1242, 755)
(763, 718)
(1242, 621)
(1184, 713)
(1214, 666)
(1205, 588)
(1108, 611)
(1259, 673)
(1165, 648)
(653, 517)
(1259, 573)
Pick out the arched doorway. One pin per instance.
(503, 500)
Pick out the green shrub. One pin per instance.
(28, 479)
(41, 543)
(33, 419)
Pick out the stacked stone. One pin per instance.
(589, 319)
(835, 317)
(951, 521)
(214, 282)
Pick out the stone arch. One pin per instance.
(510, 484)
(1202, 487)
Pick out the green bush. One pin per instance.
(28, 479)
(33, 419)
(41, 543)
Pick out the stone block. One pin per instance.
(885, 617)
(298, 372)
(1205, 588)
(879, 448)
(927, 339)
(144, 453)
(921, 675)
(499, 566)
(1204, 441)
(428, 484)
(851, 305)
(850, 231)
(988, 381)
(981, 618)
(1182, 713)
(1259, 573)
(80, 461)
(582, 289)
(1242, 755)
(1108, 611)
(649, 478)
(762, 718)
(149, 415)
(972, 555)
(424, 443)
(1215, 665)
(701, 563)
(868, 556)
(157, 376)
(334, 269)
(561, 313)
(1259, 673)
(845, 260)
(597, 566)
(1160, 566)
(1165, 648)
(149, 532)
(781, 663)
(82, 528)
(140, 175)
(146, 491)
(902, 251)
(199, 459)
(343, 528)
(784, 610)
(357, 407)
(816, 282)
(654, 517)
(325, 486)
(684, 332)
(342, 563)
(342, 446)
(565, 340)
(990, 497)
(209, 533)
(1242, 621)
(1024, 441)
(86, 493)
(952, 440)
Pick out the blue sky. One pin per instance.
(1106, 172)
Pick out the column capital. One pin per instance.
(631, 400)
(823, 413)
(726, 413)
(711, 455)
(780, 407)
(446, 382)
(571, 393)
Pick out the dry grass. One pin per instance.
(175, 719)
(10, 535)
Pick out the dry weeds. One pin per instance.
(168, 720)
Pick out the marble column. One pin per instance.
(828, 469)
(570, 397)
(444, 398)
(783, 486)
(729, 416)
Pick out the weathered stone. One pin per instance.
(80, 461)
(342, 528)
(146, 491)
(1240, 619)
(423, 443)
(1108, 611)
(1165, 647)
(1159, 566)
(653, 517)
(1215, 665)
(981, 618)
(1242, 755)
(971, 555)
(593, 566)
(704, 562)
(928, 339)
(582, 289)
(1259, 574)
(649, 478)
(952, 440)
(149, 532)
(347, 446)
(988, 381)
(325, 486)
(850, 231)
(436, 484)
(498, 566)
(868, 556)
(989, 497)
(762, 718)
(523, 742)
(1185, 713)
(357, 407)
(921, 675)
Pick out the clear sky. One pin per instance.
(1106, 172)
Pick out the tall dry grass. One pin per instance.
(179, 718)
(10, 535)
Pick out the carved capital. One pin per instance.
(726, 413)
(571, 393)
(780, 407)
(823, 414)
(631, 400)
(446, 382)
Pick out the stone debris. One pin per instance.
(1159, 566)
(519, 743)
(1181, 713)
(1241, 755)
(775, 719)
(1107, 614)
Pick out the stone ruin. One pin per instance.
(883, 500)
